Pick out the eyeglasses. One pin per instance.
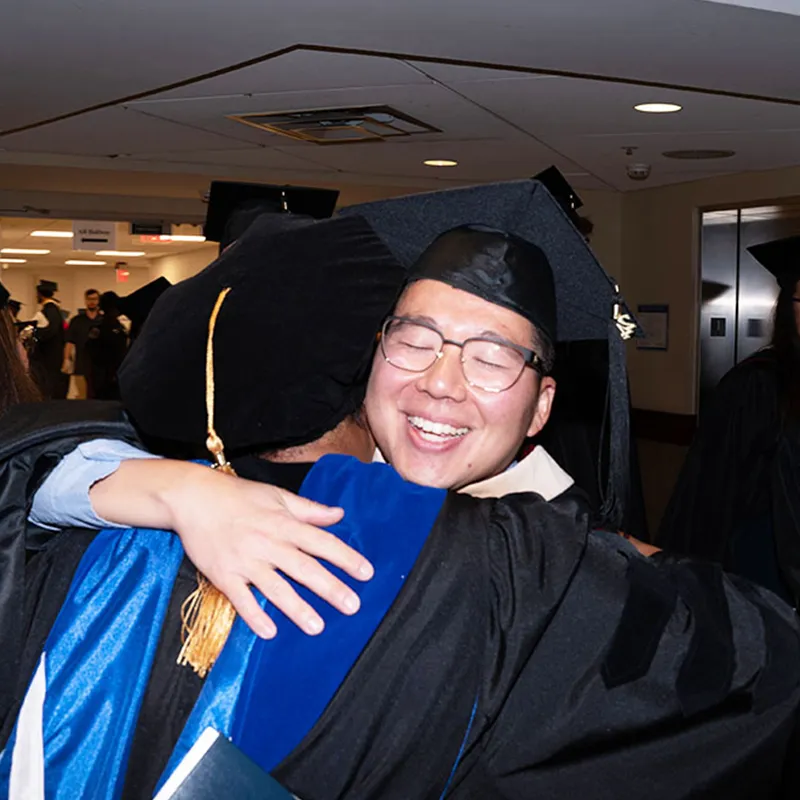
(488, 364)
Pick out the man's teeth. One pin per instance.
(440, 429)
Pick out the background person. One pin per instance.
(735, 501)
(47, 357)
(76, 358)
(16, 385)
(106, 347)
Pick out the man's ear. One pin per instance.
(544, 404)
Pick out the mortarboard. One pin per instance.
(560, 188)
(233, 206)
(137, 305)
(47, 286)
(585, 294)
(782, 258)
(15, 306)
(566, 197)
(587, 302)
(5, 295)
(293, 340)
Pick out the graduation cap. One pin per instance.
(5, 295)
(293, 340)
(496, 266)
(233, 206)
(47, 288)
(782, 258)
(137, 305)
(554, 274)
(566, 197)
(15, 306)
(560, 188)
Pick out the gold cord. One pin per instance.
(207, 616)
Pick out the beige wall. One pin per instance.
(660, 264)
(184, 265)
(605, 211)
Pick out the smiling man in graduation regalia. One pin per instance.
(499, 652)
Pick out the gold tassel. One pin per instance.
(207, 616)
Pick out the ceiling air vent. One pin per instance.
(338, 125)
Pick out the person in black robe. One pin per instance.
(470, 685)
(106, 347)
(735, 501)
(511, 664)
(47, 357)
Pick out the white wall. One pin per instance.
(72, 283)
(184, 265)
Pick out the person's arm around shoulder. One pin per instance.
(237, 532)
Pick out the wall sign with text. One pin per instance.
(654, 322)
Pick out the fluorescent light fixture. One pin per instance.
(440, 162)
(13, 260)
(74, 262)
(19, 251)
(53, 234)
(658, 108)
(180, 238)
(121, 253)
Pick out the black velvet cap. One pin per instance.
(782, 258)
(47, 286)
(137, 305)
(15, 306)
(5, 295)
(584, 293)
(293, 342)
(233, 206)
(496, 266)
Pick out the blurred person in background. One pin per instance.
(48, 354)
(75, 356)
(105, 348)
(737, 499)
(15, 383)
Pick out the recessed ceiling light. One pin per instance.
(74, 262)
(23, 252)
(658, 108)
(180, 238)
(53, 234)
(12, 260)
(121, 253)
(440, 162)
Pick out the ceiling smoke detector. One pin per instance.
(698, 155)
(337, 125)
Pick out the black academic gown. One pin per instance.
(48, 354)
(577, 433)
(723, 507)
(541, 663)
